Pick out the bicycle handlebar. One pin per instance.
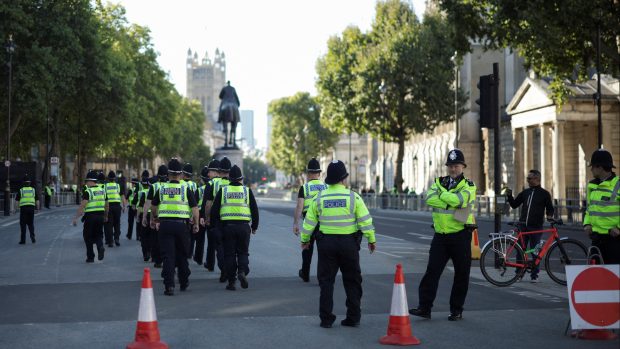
(551, 221)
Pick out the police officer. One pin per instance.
(27, 198)
(101, 180)
(144, 230)
(198, 240)
(235, 212)
(95, 209)
(602, 219)
(451, 198)
(343, 219)
(49, 191)
(130, 194)
(144, 178)
(147, 223)
(113, 226)
(306, 193)
(172, 206)
(215, 249)
(218, 183)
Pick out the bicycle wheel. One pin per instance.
(556, 261)
(493, 261)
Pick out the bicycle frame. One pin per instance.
(537, 258)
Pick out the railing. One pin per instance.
(63, 199)
(570, 210)
(13, 203)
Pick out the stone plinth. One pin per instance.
(234, 155)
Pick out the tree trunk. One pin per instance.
(398, 179)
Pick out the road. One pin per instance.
(50, 298)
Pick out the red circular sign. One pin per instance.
(591, 281)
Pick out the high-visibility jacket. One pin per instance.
(219, 184)
(190, 184)
(445, 203)
(27, 196)
(173, 201)
(235, 204)
(96, 199)
(310, 190)
(48, 190)
(338, 210)
(201, 193)
(113, 191)
(142, 194)
(603, 205)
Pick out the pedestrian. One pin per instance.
(235, 213)
(343, 219)
(112, 227)
(28, 200)
(218, 183)
(143, 230)
(155, 250)
(131, 212)
(94, 207)
(198, 240)
(451, 198)
(534, 201)
(306, 194)
(215, 249)
(602, 219)
(172, 207)
(49, 192)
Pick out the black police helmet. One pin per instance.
(101, 177)
(235, 174)
(111, 175)
(135, 180)
(336, 172)
(455, 156)
(225, 165)
(188, 169)
(162, 171)
(145, 174)
(204, 173)
(91, 176)
(26, 179)
(313, 166)
(174, 166)
(214, 165)
(602, 157)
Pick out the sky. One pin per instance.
(271, 46)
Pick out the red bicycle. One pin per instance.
(503, 260)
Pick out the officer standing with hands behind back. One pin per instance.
(343, 219)
(28, 202)
(95, 209)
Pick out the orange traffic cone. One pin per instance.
(147, 332)
(475, 245)
(399, 326)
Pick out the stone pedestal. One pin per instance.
(234, 155)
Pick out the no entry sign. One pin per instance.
(594, 296)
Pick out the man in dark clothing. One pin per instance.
(131, 213)
(535, 201)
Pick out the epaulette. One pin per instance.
(595, 181)
(470, 182)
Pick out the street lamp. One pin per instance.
(357, 168)
(382, 90)
(456, 98)
(10, 48)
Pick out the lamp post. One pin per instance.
(10, 48)
(456, 98)
(357, 169)
(382, 90)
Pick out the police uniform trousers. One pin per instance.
(454, 246)
(145, 237)
(609, 246)
(113, 225)
(198, 245)
(93, 233)
(48, 199)
(236, 238)
(26, 218)
(131, 213)
(174, 243)
(215, 248)
(306, 255)
(337, 251)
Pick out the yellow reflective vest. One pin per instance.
(603, 205)
(27, 196)
(445, 203)
(235, 204)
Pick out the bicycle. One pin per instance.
(503, 260)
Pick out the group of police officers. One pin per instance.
(173, 214)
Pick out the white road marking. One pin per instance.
(389, 254)
(389, 237)
(403, 219)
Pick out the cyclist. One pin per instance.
(602, 220)
(535, 201)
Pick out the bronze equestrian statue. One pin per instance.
(229, 113)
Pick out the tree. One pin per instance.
(556, 39)
(255, 169)
(297, 133)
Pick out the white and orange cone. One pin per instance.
(147, 331)
(475, 244)
(399, 326)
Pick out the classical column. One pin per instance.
(559, 177)
(544, 154)
(517, 135)
(528, 150)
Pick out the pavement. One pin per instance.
(50, 298)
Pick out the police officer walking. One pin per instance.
(215, 249)
(602, 219)
(451, 198)
(343, 219)
(49, 191)
(95, 209)
(172, 206)
(130, 194)
(147, 222)
(218, 183)
(113, 225)
(28, 202)
(306, 193)
(235, 212)
(198, 240)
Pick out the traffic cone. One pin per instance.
(399, 326)
(147, 331)
(475, 245)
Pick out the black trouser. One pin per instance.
(93, 233)
(609, 246)
(153, 237)
(236, 245)
(131, 213)
(48, 198)
(113, 223)
(215, 248)
(174, 243)
(198, 244)
(26, 218)
(455, 246)
(306, 255)
(339, 252)
(145, 237)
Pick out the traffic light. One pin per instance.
(488, 108)
(263, 178)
